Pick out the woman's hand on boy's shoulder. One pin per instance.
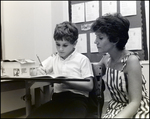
(54, 54)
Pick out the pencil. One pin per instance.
(39, 60)
(41, 63)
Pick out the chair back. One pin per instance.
(96, 96)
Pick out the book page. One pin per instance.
(43, 76)
(48, 76)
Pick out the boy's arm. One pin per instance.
(87, 73)
(43, 70)
(79, 85)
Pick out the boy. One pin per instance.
(70, 99)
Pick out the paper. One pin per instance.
(135, 41)
(128, 8)
(21, 61)
(78, 13)
(92, 10)
(109, 7)
(93, 47)
(81, 45)
(47, 76)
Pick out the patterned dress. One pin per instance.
(117, 84)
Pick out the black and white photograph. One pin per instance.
(83, 59)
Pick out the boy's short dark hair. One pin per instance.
(66, 31)
(115, 26)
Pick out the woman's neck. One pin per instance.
(116, 55)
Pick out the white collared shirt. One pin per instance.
(76, 65)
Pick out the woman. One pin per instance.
(123, 75)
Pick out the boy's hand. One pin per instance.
(41, 71)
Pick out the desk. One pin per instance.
(25, 82)
(12, 85)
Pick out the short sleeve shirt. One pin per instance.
(75, 65)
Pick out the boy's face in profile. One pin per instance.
(64, 48)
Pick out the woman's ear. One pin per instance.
(116, 41)
(75, 43)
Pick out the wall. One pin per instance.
(30, 24)
(59, 15)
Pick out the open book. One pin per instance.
(57, 79)
(43, 78)
(47, 76)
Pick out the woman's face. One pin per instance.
(64, 48)
(103, 43)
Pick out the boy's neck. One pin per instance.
(69, 54)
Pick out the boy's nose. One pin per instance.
(61, 48)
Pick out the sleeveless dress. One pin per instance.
(117, 84)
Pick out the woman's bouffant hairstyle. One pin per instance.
(66, 31)
(115, 26)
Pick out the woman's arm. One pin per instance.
(133, 70)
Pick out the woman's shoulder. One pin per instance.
(130, 57)
(51, 57)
